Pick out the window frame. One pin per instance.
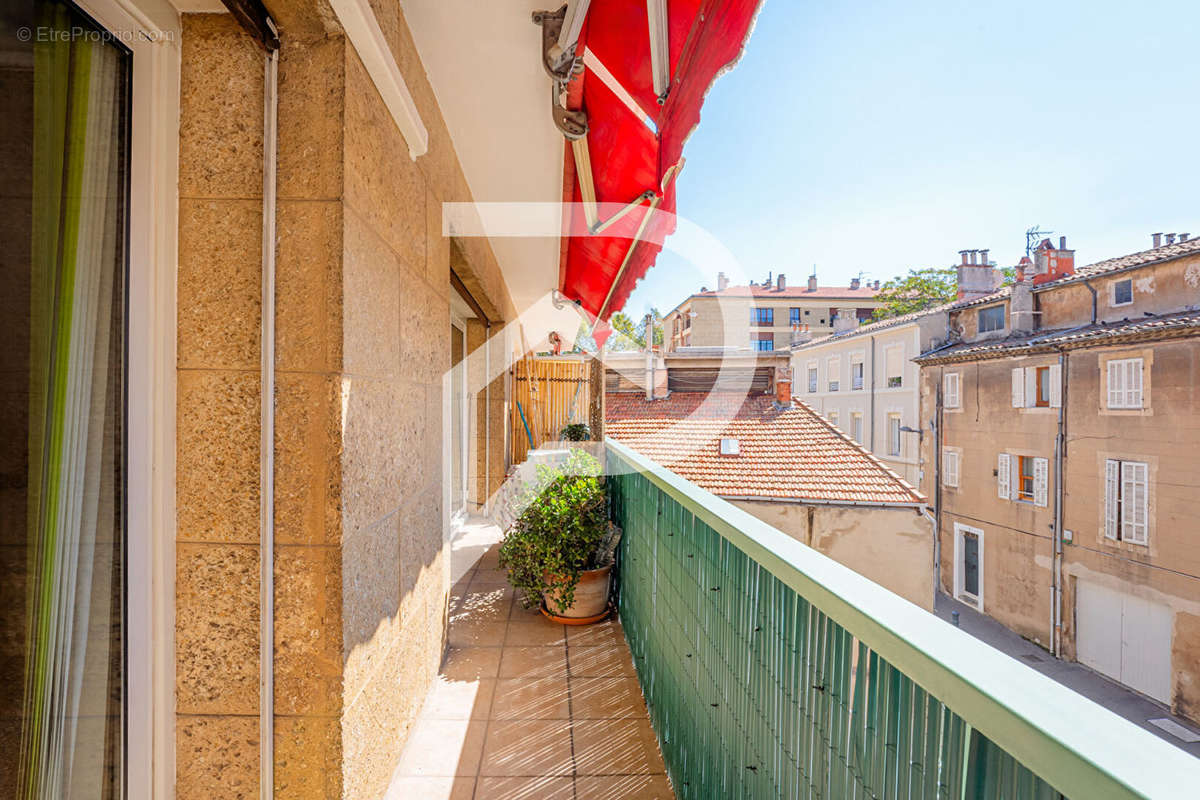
(762, 317)
(151, 380)
(980, 315)
(759, 338)
(1021, 494)
(895, 437)
(950, 477)
(833, 374)
(814, 378)
(1124, 391)
(856, 426)
(1041, 390)
(794, 315)
(857, 381)
(1116, 525)
(1115, 302)
(960, 593)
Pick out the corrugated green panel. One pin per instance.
(755, 693)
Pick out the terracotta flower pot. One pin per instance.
(591, 596)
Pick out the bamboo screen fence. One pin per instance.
(548, 394)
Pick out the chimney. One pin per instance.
(855, 283)
(975, 279)
(781, 282)
(1183, 237)
(1020, 307)
(783, 386)
(1062, 243)
(1051, 263)
(983, 257)
(1170, 238)
(722, 282)
(1157, 237)
(812, 282)
(876, 285)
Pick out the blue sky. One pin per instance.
(875, 137)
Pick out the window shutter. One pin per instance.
(1041, 468)
(1018, 387)
(1133, 383)
(1003, 476)
(950, 468)
(950, 390)
(1111, 489)
(1030, 387)
(1133, 502)
(1055, 385)
(1116, 384)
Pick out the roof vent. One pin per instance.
(729, 447)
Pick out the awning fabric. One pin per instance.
(627, 156)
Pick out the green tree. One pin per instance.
(626, 335)
(918, 290)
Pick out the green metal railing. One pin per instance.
(772, 671)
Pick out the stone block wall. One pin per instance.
(362, 318)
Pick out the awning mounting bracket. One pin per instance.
(559, 62)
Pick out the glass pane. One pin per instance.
(62, 519)
(971, 564)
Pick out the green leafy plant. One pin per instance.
(918, 290)
(559, 531)
(576, 432)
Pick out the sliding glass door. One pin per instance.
(66, 91)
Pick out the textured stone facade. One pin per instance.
(362, 304)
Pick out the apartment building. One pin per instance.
(764, 316)
(1064, 474)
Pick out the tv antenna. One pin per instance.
(1032, 237)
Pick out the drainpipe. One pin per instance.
(487, 416)
(936, 424)
(266, 474)
(1060, 442)
(1092, 289)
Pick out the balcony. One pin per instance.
(766, 670)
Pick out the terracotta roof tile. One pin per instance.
(786, 454)
(1184, 323)
(1152, 256)
(794, 292)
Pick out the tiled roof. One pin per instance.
(794, 292)
(784, 454)
(875, 327)
(1184, 323)
(1144, 258)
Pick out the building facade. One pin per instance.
(766, 316)
(1063, 471)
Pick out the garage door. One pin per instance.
(1124, 637)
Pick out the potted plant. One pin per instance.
(576, 432)
(559, 551)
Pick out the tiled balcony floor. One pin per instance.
(527, 709)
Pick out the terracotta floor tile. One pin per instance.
(608, 632)
(525, 698)
(442, 748)
(409, 788)
(542, 788)
(606, 698)
(599, 662)
(491, 603)
(490, 559)
(534, 633)
(489, 578)
(616, 747)
(471, 663)
(534, 662)
(532, 748)
(451, 699)
(520, 612)
(624, 787)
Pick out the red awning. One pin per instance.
(632, 157)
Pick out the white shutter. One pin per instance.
(1116, 384)
(1111, 489)
(1041, 468)
(1030, 387)
(1133, 383)
(1003, 476)
(950, 390)
(1055, 385)
(1018, 387)
(1133, 502)
(950, 468)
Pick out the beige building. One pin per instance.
(766, 316)
(778, 459)
(1062, 462)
